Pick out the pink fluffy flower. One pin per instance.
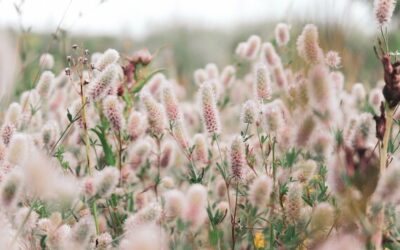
(209, 109)
(282, 34)
(113, 112)
(237, 157)
(332, 59)
(384, 10)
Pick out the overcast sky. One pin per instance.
(139, 17)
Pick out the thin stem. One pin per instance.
(96, 221)
(262, 150)
(233, 220)
(84, 122)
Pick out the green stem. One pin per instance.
(96, 221)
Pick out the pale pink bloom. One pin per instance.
(237, 158)
(136, 125)
(174, 203)
(170, 102)
(249, 112)
(212, 71)
(228, 76)
(7, 131)
(109, 57)
(196, 200)
(45, 84)
(155, 114)
(113, 111)
(253, 47)
(200, 152)
(269, 54)
(260, 191)
(209, 109)
(167, 155)
(100, 85)
(384, 10)
(308, 45)
(332, 59)
(262, 83)
(282, 34)
(46, 61)
(142, 56)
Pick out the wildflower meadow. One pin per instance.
(112, 153)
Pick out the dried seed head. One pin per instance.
(249, 113)
(109, 57)
(209, 109)
(113, 111)
(155, 114)
(237, 157)
(282, 34)
(260, 191)
(262, 83)
(99, 86)
(384, 10)
(45, 84)
(307, 45)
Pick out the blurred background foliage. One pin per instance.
(182, 50)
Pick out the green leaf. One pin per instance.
(143, 82)
(108, 154)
